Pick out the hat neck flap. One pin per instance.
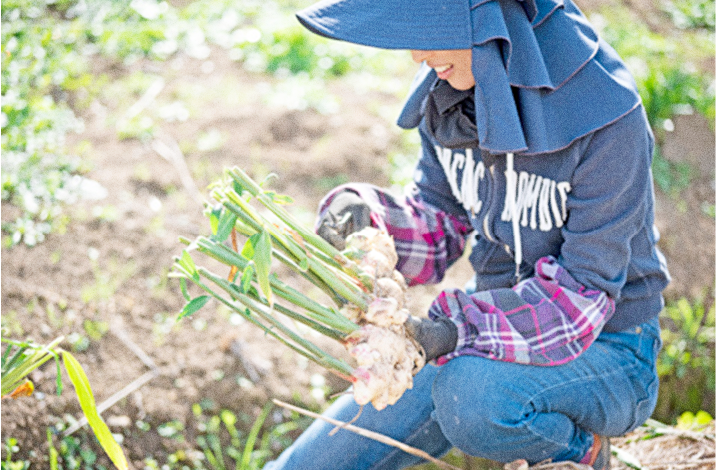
(540, 83)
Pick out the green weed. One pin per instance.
(39, 174)
(666, 68)
(672, 178)
(213, 440)
(48, 48)
(691, 14)
(76, 452)
(20, 358)
(10, 448)
(685, 364)
(225, 446)
(107, 280)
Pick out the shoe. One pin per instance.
(601, 453)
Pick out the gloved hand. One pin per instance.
(347, 213)
(436, 337)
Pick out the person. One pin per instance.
(536, 149)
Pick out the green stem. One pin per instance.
(227, 256)
(348, 290)
(244, 312)
(42, 354)
(266, 313)
(295, 297)
(233, 291)
(325, 331)
(308, 235)
(318, 312)
(242, 178)
(324, 360)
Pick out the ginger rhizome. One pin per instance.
(386, 356)
(368, 294)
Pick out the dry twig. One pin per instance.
(680, 465)
(168, 149)
(370, 435)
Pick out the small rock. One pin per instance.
(122, 421)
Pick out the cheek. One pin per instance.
(419, 56)
(466, 76)
(463, 80)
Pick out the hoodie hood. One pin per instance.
(541, 71)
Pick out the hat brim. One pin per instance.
(392, 24)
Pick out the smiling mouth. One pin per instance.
(444, 71)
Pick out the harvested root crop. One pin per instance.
(368, 293)
(387, 357)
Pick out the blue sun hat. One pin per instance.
(543, 77)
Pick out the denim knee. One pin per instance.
(488, 409)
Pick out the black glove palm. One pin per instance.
(437, 338)
(347, 213)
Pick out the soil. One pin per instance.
(109, 268)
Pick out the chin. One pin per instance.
(461, 86)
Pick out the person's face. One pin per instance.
(455, 66)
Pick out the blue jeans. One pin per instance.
(497, 410)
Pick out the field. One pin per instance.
(155, 134)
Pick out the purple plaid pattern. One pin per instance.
(427, 240)
(548, 319)
(545, 320)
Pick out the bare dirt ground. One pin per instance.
(110, 266)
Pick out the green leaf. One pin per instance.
(246, 278)
(279, 198)
(5, 355)
(89, 408)
(267, 180)
(226, 224)
(193, 306)
(625, 457)
(187, 263)
(253, 435)
(214, 218)
(262, 261)
(16, 358)
(249, 248)
(184, 291)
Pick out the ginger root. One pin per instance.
(387, 357)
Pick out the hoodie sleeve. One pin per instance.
(610, 203)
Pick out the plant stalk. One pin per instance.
(301, 345)
(317, 311)
(266, 313)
